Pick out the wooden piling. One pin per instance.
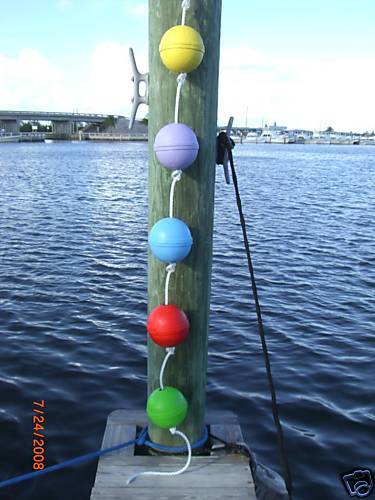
(194, 204)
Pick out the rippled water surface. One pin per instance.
(73, 264)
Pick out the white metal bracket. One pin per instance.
(137, 78)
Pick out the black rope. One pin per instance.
(224, 142)
(236, 447)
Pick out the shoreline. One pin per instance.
(106, 137)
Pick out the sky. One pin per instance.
(300, 64)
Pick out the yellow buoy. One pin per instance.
(181, 49)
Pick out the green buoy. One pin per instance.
(167, 408)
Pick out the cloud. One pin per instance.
(29, 78)
(295, 92)
(133, 8)
(64, 4)
(102, 85)
(107, 83)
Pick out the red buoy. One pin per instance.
(168, 325)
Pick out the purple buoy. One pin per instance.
(176, 146)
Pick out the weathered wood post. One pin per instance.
(194, 204)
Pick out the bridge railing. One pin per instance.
(32, 134)
(9, 114)
(113, 136)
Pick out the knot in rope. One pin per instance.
(170, 268)
(181, 79)
(223, 144)
(177, 175)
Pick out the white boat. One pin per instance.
(265, 137)
(319, 138)
(368, 141)
(279, 139)
(252, 137)
(9, 137)
(270, 137)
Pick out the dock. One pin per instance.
(218, 474)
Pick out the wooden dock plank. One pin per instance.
(172, 493)
(172, 460)
(139, 417)
(115, 433)
(231, 433)
(220, 475)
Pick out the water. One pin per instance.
(73, 245)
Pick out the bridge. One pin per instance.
(62, 123)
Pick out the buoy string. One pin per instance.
(170, 270)
(176, 176)
(185, 6)
(173, 430)
(180, 82)
(170, 352)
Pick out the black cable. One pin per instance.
(236, 447)
(218, 439)
(226, 142)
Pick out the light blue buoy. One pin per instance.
(170, 240)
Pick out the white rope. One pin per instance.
(170, 352)
(170, 270)
(180, 80)
(176, 473)
(185, 6)
(176, 176)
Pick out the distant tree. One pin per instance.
(28, 127)
(25, 127)
(145, 120)
(329, 130)
(110, 121)
(44, 128)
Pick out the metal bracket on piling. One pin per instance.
(137, 78)
(226, 159)
(222, 153)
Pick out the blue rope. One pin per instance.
(177, 449)
(68, 463)
(140, 440)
